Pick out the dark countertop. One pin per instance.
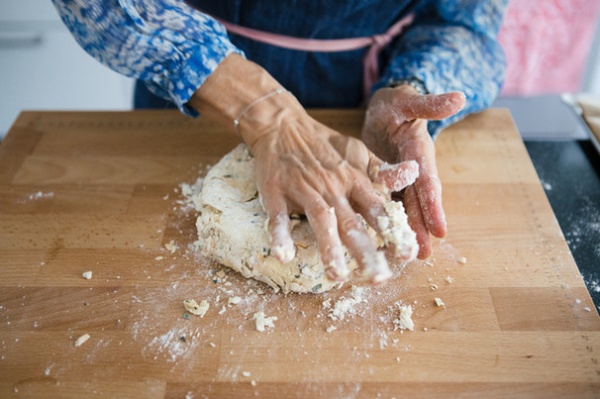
(569, 171)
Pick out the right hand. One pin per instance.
(305, 167)
(396, 130)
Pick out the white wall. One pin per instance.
(42, 67)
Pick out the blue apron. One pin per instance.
(319, 80)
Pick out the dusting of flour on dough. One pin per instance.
(231, 231)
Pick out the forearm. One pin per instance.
(236, 84)
(173, 56)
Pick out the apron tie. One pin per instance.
(376, 44)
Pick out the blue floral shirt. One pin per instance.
(173, 47)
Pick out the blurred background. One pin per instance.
(552, 47)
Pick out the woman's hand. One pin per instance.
(395, 130)
(304, 167)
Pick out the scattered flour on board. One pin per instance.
(346, 306)
(164, 330)
(37, 196)
(170, 343)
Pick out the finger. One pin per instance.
(323, 222)
(416, 221)
(279, 226)
(389, 220)
(369, 204)
(394, 177)
(429, 191)
(372, 263)
(428, 186)
(432, 106)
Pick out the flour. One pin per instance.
(40, 195)
(158, 324)
(170, 343)
(347, 306)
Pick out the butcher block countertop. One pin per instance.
(110, 193)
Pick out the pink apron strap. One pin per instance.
(370, 64)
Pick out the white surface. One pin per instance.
(43, 68)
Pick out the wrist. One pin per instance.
(267, 114)
(244, 97)
(230, 88)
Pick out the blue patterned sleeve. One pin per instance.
(452, 46)
(165, 43)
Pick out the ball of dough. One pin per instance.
(232, 231)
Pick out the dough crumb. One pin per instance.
(81, 340)
(395, 230)
(245, 373)
(87, 275)
(171, 247)
(234, 300)
(404, 320)
(159, 258)
(449, 280)
(462, 260)
(439, 302)
(192, 306)
(433, 287)
(263, 322)
(587, 309)
(330, 329)
(347, 306)
(212, 344)
(253, 383)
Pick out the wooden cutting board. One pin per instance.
(101, 192)
(590, 111)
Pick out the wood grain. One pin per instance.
(101, 192)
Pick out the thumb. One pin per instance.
(432, 106)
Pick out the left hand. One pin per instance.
(395, 129)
